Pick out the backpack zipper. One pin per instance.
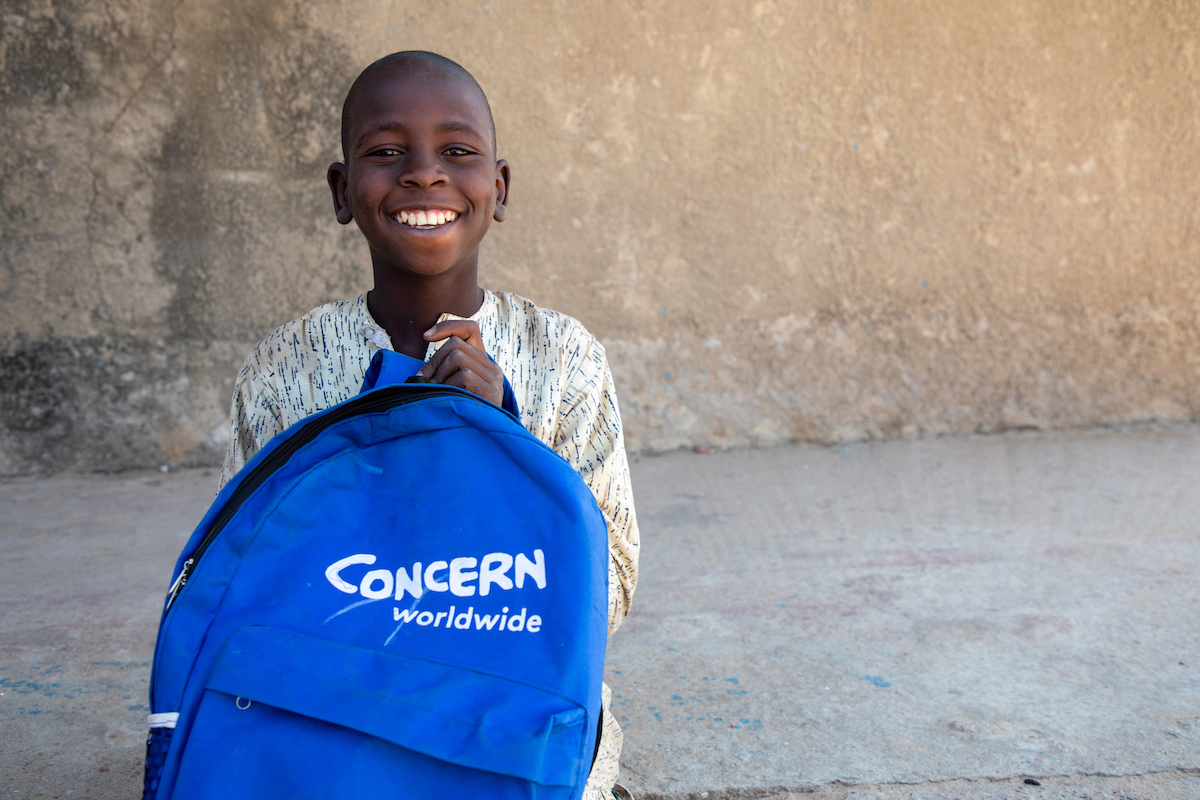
(376, 401)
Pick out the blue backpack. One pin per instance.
(404, 595)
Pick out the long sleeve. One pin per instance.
(254, 419)
(305, 366)
(589, 437)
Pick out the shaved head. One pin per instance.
(407, 64)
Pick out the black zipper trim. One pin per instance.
(377, 401)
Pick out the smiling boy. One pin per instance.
(422, 182)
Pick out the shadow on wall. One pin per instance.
(239, 193)
(191, 143)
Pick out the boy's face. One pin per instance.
(421, 178)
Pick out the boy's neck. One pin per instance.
(407, 308)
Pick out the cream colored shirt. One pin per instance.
(564, 389)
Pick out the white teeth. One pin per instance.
(425, 219)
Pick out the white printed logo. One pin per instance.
(462, 577)
(463, 621)
(455, 576)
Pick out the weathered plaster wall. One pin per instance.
(821, 220)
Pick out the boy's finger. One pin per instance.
(476, 384)
(465, 329)
(458, 365)
(460, 358)
(431, 367)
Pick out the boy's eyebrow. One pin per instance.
(444, 127)
(458, 127)
(384, 127)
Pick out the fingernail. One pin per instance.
(429, 331)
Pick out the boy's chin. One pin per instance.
(423, 267)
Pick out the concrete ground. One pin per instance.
(978, 618)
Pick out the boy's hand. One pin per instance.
(462, 361)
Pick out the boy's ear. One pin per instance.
(503, 181)
(339, 178)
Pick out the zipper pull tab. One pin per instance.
(180, 581)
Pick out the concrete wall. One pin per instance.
(815, 220)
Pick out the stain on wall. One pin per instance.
(823, 220)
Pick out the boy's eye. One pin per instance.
(457, 151)
(386, 152)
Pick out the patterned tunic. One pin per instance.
(563, 387)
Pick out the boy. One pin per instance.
(422, 182)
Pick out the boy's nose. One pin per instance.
(421, 171)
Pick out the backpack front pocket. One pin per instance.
(290, 715)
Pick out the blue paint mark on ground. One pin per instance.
(877, 680)
(698, 696)
(29, 687)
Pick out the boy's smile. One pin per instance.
(426, 220)
(421, 178)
